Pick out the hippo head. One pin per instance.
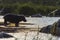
(23, 18)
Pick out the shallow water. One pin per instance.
(41, 21)
(32, 35)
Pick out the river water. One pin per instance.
(43, 21)
(38, 21)
(31, 35)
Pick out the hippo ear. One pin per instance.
(23, 17)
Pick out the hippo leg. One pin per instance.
(5, 22)
(17, 24)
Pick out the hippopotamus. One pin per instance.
(13, 18)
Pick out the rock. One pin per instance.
(4, 35)
(46, 29)
(55, 29)
(37, 15)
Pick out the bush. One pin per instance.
(26, 10)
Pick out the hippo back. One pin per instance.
(14, 18)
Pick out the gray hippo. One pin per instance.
(13, 18)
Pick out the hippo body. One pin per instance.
(12, 18)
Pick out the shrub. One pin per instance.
(26, 10)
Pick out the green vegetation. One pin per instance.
(29, 7)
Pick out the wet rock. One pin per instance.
(46, 29)
(4, 35)
(55, 29)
